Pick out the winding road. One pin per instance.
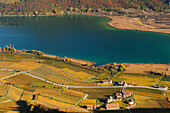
(68, 86)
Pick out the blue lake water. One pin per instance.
(84, 37)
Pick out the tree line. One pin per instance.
(41, 7)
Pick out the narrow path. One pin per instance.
(85, 97)
(83, 86)
(123, 89)
(5, 101)
(166, 97)
(158, 81)
(10, 76)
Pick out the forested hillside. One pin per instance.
(42, 7)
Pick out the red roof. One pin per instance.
(127, 93)
(162, 86)
(106, 80)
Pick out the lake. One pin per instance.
(84, 37)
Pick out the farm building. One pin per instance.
(92, 107)
(118, 96)
(120, 83)
(127, 94)
(163, 87)
(111, 99)
(107, 81)
(112, 106)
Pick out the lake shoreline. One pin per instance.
(118, 22)
(129, 23)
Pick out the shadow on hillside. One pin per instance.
(139, 110)
(152, 73)
(24, 107)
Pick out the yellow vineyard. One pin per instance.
(69, 96)
(81, 74)
(140, 80)
(24, 65)
(14, 93)
(86, 102)
(61, 106)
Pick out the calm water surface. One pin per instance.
(84, 37)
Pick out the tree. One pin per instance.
(89, 10)
(71, 9)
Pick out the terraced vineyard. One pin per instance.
(81, 74)
(6, 64)
(9, 105)
(3, 89)
(146, 92)
(4, 73)
(95, 93)
(137, 79)
(168, 94)
(61, 65)
(86, 102)
(103, 75)
(54, 74)
(59, 105)
(47, 91)
(24, 81)
(2, 99)
(165, 81)
(24, 65)
(14, 93)
(69, 96)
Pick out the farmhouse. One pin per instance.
(120, 83)
(163, 87)
(112, 106)
(111, 99)
(118, 96)
(107, 81)
(127, 94)
(92, 107)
